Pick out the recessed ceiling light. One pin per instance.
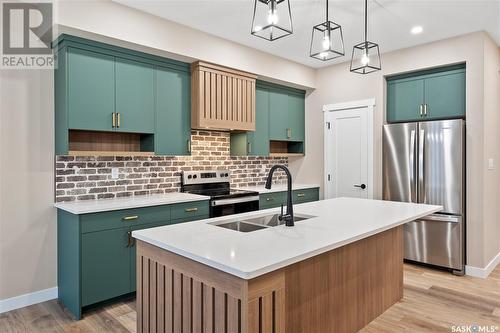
(417, 29)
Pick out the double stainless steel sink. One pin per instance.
(257, 223)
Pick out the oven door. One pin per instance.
(222, 207)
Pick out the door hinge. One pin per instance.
(329, 177)
(328, 125)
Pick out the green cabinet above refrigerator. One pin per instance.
(427, 95)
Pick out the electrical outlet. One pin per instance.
(491, 164)
(114, 173)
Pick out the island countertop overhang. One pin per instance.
(337, 222)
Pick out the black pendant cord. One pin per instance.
(326, 11)
(366, 20)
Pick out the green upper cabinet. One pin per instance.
(428, 95)
(91, 90)
(286, 114)
(296, 117)
(445, 95)
(254, 143)
(140, 99)
(258, 141)
(404, 100)
(278, 115)
(135, 96)
(173, 112)
(279, 118)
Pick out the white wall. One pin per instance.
(336, 84)
(27, 219)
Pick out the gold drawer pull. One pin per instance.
(130, 218)
(269, 199)
(300, 195)
(189, 210)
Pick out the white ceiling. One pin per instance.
(390, 22)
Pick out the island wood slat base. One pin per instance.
(338, 291)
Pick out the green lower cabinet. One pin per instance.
(105, 265)
(96, 254)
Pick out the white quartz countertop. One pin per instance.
(102, 205)
(280, 187)
(337, 222)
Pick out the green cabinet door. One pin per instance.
(404, 100)
(296, 117)
(173, 112)
(91, 90)
(135, 98)
(105, 269)
(258, 141)
(278, 115)
(445, 95)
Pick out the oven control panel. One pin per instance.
(204, 177)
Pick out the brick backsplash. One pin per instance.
(89, 177)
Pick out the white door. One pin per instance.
(348, 153)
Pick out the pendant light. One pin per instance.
(327, 41)
(272, 19)
(365, 55)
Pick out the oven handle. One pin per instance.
(223, 202)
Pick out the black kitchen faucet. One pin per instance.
(288, 217)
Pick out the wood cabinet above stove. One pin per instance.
(222, 98)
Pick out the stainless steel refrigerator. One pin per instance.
(424, 162)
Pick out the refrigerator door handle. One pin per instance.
(413, 196)
(421, 165)
(441, 218)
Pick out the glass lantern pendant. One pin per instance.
(327, 41)
(272, 19)
(365, 55)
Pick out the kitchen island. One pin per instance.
(334, 271)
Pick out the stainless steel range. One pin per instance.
(224, 200)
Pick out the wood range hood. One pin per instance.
(222, 98)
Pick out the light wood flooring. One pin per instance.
(433, 302)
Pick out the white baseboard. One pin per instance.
(483, 272)
(27, 299)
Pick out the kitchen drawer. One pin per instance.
(189, 219)
(190, 209)
(126, 217)
(269, 200)
(307, 195)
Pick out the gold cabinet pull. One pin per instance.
(249, 147)
(129, 238)
(130, 218)
(300, 195)
(269, 199)
(118, 120)
(425, 110)
(421, 110)
(288, 133)
(189, 210)
(113, 119)
(189, 146)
